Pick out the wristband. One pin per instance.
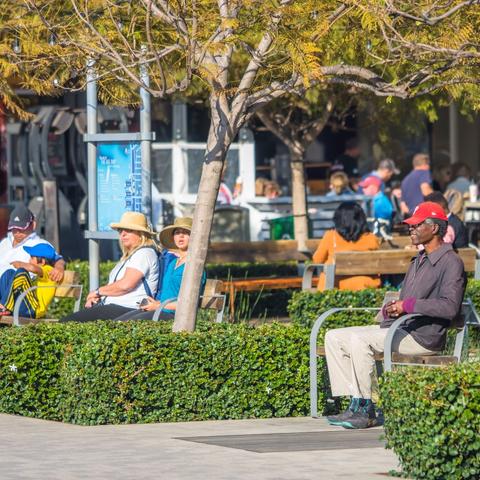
(97, 292)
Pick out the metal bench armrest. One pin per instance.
(162, 306)
(21, 297)
(313, 350)
(223, 297)
(387, 354)
(477, 261)
(328, 269)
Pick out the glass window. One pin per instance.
(198, 123)
(162, 170)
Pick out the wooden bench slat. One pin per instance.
(424, 359)
(255, 284)
(69, 277)
(262, 251)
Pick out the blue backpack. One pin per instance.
(164, 259)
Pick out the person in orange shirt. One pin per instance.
(351, 234)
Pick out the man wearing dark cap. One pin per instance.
(433, 287)
(21, 233)
(385, 171)
(348, 161)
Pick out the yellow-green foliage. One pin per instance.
(184, 41)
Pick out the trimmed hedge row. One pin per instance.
(108, 372)
(305, 307)
(432, 420)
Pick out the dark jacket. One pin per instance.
(461, 235)
(437, 283)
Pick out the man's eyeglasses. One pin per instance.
(418, 225)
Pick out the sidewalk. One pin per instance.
(287, 448)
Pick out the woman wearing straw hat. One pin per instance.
(132, 279)
(174, 239)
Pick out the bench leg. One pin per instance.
(313, 384)
(232, 303)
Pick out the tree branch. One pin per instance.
(431, 21)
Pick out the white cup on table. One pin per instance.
(473, 191)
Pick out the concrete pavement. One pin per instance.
(274, 449)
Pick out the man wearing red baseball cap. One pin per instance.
(382, 206)
(433, 287)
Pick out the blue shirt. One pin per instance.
(171, 282)
(411, 192)
(382, 207)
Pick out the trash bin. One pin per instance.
(282, 228)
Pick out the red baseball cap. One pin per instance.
(371, 180)
(426, 210)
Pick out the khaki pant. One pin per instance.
(350, 357)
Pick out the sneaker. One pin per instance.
(346, 415)
(364, 417)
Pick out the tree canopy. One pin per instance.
(259, 48)
(243, 54)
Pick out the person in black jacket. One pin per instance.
(457, 233)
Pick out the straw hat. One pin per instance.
(133, 221)
(166, 235)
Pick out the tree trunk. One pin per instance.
(219, 139)
(299, 198)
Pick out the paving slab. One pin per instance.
(273, 449)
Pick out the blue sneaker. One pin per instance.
(346, 415)
(364, 417)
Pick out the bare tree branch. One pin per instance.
(425, 18)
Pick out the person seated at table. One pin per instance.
(456, 231)
(133, 278)
(339, 185)
(174, 239)
(17, 280)
(351, 233)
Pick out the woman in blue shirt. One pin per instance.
(174, 239)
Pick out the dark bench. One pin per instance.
(469, 317)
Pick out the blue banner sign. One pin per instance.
(119, 181)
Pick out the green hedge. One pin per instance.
(305, 307)
(109, 372)
(432, 420)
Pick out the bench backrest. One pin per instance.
(211, 295)
(387, 261)
(264, 251)
(274, 250)
(65, 289)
